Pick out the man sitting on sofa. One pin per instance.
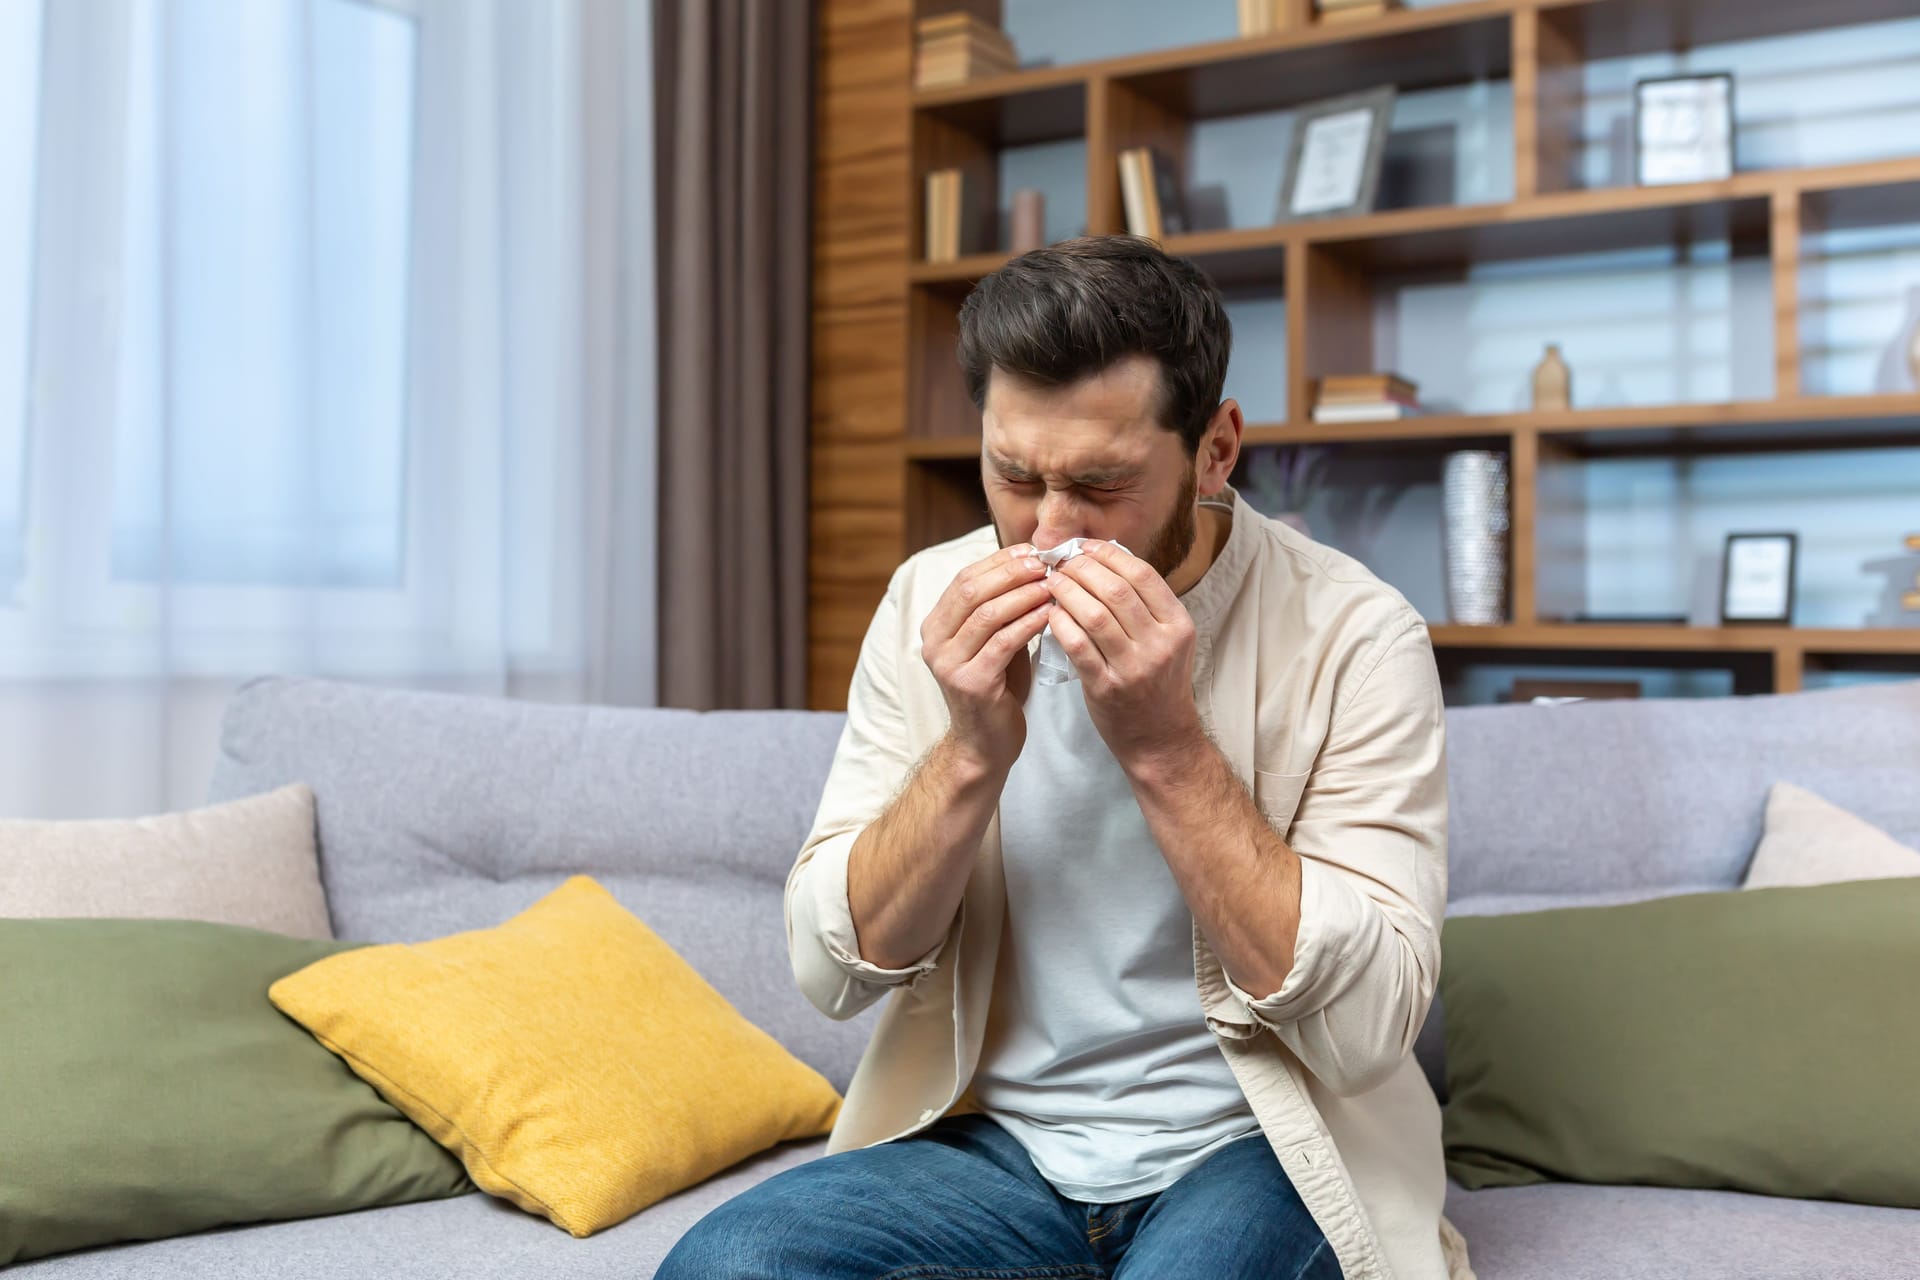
(1161, 924)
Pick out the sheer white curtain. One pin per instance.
(326, 347)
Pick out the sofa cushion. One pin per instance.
(472, 1237)
(248, 862)
(1756, 1041)
(1560, 1230)
(148, 1088)
(1430, 1047)
(438, 813)
(1572, 1232)
(1809, 840)
(575, 1064)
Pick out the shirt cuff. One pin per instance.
(834, 914)
(1329, 919)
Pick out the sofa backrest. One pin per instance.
(1609, 800)
(438, 813)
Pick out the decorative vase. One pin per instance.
(1473, 499)
(1029, 220)
(1552, 381)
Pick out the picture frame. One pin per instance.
(1333, 160)
(1757, 579)
(1683, 129)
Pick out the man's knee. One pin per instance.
(767, 1230)
(732, 1240)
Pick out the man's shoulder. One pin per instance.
(1332, 586)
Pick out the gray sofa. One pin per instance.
(440, 813)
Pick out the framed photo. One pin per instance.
(1683, 129)
(1756, 579)
(1333, 164)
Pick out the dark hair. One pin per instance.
(1059, 314)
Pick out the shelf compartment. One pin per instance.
(1412, 49)
(945, 498)
(977, 136)
(1040, 105)
(1622, 28)
(1382, 505)
(1850, 272)
(938, 406)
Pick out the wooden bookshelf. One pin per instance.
(909, 438)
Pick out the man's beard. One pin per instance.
(1170, 544)
(1168, 547)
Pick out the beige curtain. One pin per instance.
(734, 109)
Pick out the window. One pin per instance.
(19, 134)
(267, 266)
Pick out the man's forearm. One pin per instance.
(1240, 879)
(908, 870)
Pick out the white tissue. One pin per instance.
(1053, 666)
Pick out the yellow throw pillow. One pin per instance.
(572, 1060)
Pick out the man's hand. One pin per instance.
(975, 643)
(1132, 641)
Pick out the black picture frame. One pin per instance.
(1639, 100)
(1782, 618)
(1379, 103)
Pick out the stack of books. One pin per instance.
(953, 48)
(956, 216)
(1352, 10)
(1365, 397)
(1150, 194)
(1258, 17)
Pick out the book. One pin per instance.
(1354, 10)
(957, 22)
(1370, 386)
(943, 215)
(942, 65)
(1170, 206)
(1150, 193)
(1378, 411)
(1355, 398)
(1133, 193)
(956, 215)
(953, 48)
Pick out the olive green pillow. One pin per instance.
(1762, 1041)
(151, 1089)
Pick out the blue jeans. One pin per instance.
(961, 1200)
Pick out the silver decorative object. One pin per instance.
(1473, 499)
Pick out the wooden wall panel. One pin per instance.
(858, 411)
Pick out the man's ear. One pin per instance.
(1219, 448)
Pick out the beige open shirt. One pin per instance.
(1318, 683)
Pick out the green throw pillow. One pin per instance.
(148, 1088)
(1759, 1041)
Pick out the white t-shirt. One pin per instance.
(1097, 1057)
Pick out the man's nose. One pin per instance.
(1058, 521)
